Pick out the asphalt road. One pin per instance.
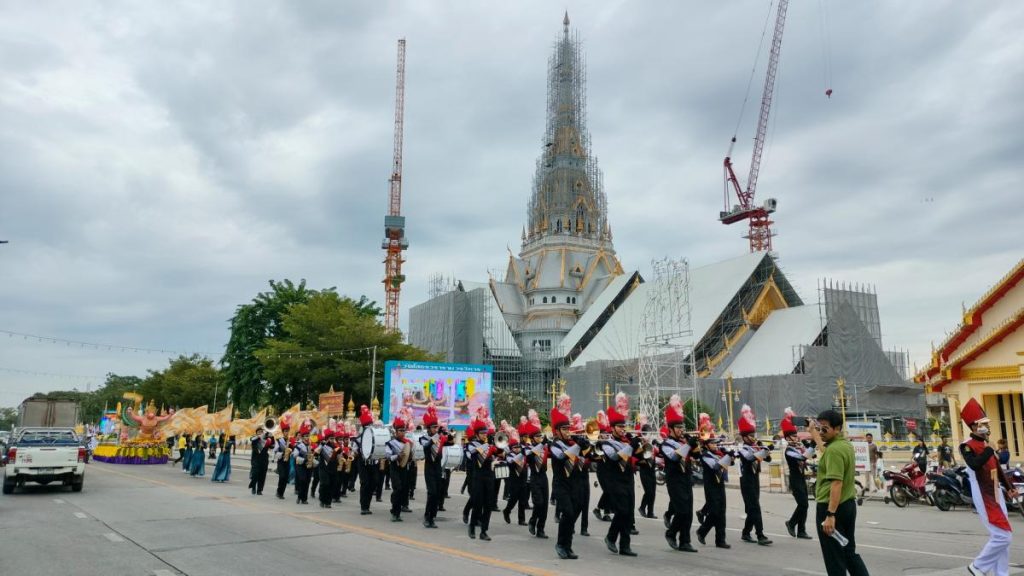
(154, 520)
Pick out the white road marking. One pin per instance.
(873, 523)
(81, 515)
(113, 537)
(58, 501)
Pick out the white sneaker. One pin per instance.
(974, 571)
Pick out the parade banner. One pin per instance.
(455, 389)
(861, 457)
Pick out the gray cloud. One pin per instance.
(160, 164)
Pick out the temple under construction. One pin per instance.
(566, 313)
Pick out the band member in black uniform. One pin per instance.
(344, 463)
(537, 460)
(796, 461)
(470, 473)
(752, 453)
(369, 468)
(565, 468)
(433, 442)
(516, 482)
(715, 463)
(603, 509)
(280, 457)
(261, 443)
(399, 451)
(481, 460)
(327, 466)
(302, 467)
(646, 468)
(679, 451)
(582, 483)
(618, 453)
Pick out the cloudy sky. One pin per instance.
(160, 162)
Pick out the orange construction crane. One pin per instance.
(760, 234)
(395, 241)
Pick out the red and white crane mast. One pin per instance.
(395, 241)
(760, 234)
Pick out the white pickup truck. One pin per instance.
(45, 455)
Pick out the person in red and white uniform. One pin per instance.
(985, 476)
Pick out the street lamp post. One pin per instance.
(729, 396)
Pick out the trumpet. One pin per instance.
(270, 427)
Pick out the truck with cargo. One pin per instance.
(44, 455)
(47, 413)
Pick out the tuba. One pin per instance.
(270, 426)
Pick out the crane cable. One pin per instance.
(753, 69)
(826, 46)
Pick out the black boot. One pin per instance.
(472, 532)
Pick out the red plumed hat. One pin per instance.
(747, 425)
(787, 423)
(328, 433)
(430, 417)
(615, 417)
(398, 423)
(523, 428)
(602, 422)
(365, 416)
(674, 412)
(305, 427)
(973, 413)
(478, 425)
(558, 419)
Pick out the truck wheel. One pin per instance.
(77, 486)
(9, 484)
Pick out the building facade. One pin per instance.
(983, 358)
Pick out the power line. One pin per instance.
(50, 374)
(101, 346)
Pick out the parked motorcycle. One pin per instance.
(952, 488)
(1016, 476)
(908, 485)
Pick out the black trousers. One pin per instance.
(410, 480)
(602, 480)
(517, 495)
(399, 490)
(567, 507)
(583, 499)
(798, 486)
(282, 477)
(446, 480)
(539, 495)
(326, 484)
(367, 483)
(315, 480)
(484, 490)
(468, 483)
(257, 475)
(302, 477)
(622, 502)
(494, 494)
(840, 560)
(648, 480)
(433, 479)
(181, 455)
(750, 488)
(384, 475)
(680, 505)
(714, 511)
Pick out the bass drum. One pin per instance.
(372, 443)
(451, 457)
(501, 471)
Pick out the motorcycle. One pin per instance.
(952, 488)
(1016, 476)
(908, 485)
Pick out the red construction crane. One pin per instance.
(394, 223)
(760, 235)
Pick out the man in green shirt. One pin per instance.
(835, 495)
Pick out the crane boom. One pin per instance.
(394, 223)
(760, 234)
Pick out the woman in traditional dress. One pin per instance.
(222, 471)
(198, 456)
(186, 461)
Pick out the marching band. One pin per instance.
(326, 462)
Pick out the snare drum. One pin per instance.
(451, 457)
(372, 443)
(501, 470)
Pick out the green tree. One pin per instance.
(511, 404)
(8, 418)
(326, 342)
(251, 326)
(187, 381)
